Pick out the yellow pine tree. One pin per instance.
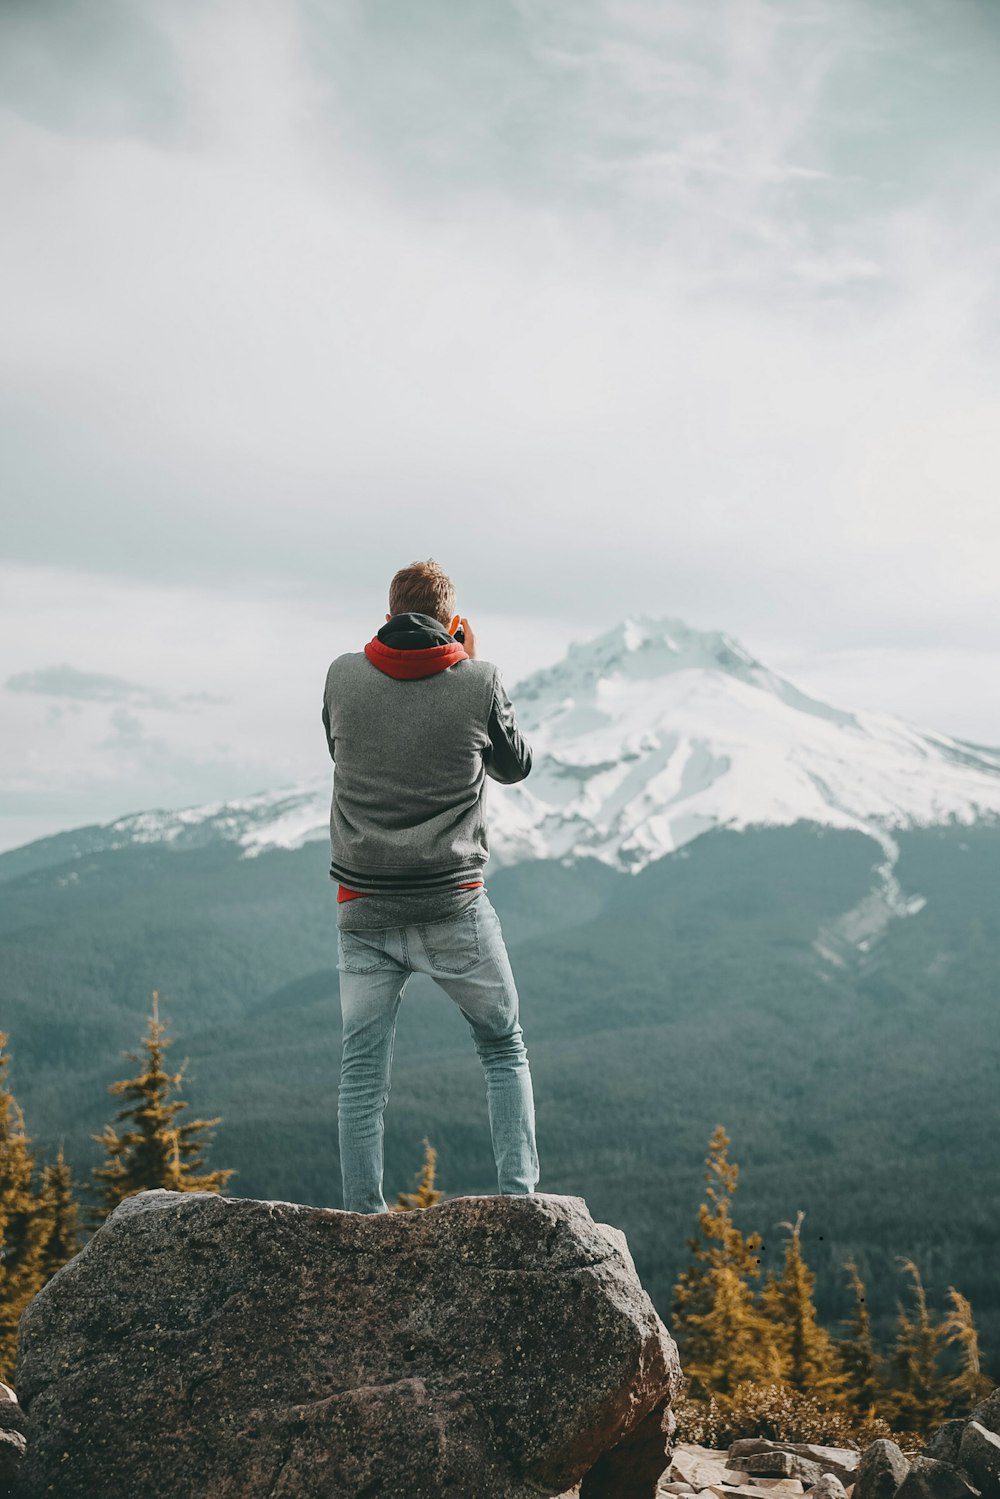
(722, 1336)
(971, 1384)
(154, 1150)
(919, 1394)
(22, 1225)
(59, 1210)
(426, 1194)
(810, 1361)
(863, 1390)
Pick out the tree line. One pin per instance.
(756, 1360)
(755, 1354)
(41, 1221)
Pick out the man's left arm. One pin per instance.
(508, 757)
(326, 725)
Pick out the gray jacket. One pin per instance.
(411, 761)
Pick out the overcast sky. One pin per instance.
(680, 307)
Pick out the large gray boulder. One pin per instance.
(232, 1349)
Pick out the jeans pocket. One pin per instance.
(452, 945)
(361, 953)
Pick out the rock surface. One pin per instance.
(930, 1479)
(828, 1486)
(12, 1444)
(702, 1468)
(945, 1442)
(979, 1457)
(12, 1417)
(962, 1457)
(705, 1473)
(233, 1349)
(987, 1412)
(881, 1470)
(760, 1456)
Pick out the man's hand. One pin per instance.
(470, 639)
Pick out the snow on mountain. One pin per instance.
(655, 732)
(644, 738)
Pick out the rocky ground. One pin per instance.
(487, 1348)
(756, 1469)
(961, 1461)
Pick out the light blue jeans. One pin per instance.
(467, 957)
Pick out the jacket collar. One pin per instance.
(410, 646)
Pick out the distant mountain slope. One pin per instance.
(644, 738)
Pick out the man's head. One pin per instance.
(423, 588)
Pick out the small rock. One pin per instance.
(841, 1461)
(12, 1417)
(944, 1443)
(746, 1490)
(733, 1491)
(12, 1450)
(979, 1456)
(701, 1470)
(881, 1470)
(828, 1486)
(930, 1479)
(759, 1464)
(781, 1463)
(987, 1412)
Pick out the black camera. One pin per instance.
(459, 635)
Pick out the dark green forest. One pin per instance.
(655, 1007)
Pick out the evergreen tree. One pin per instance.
(722, 1336)
(426, 1194)
(919, 1393)
(810, 1359)
(22, 1226)
(970, 1384)
(857, 1352)
(59, 1209)
(154, 1150)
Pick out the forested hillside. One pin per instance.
(654, 1007)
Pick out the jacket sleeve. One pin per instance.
(326, 725)
(508, 758)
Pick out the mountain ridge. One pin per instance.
(644, 737)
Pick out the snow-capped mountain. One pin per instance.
(645, 737)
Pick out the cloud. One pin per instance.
(129, 733)
(609, 304)
(85, 686)
(73, 685)
(678, 324)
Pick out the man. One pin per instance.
(415, 723)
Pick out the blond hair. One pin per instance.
(423, 588)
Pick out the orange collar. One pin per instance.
(408, 666)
